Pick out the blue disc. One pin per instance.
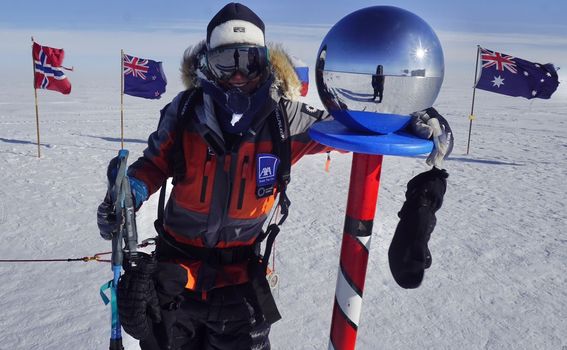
(335, 134)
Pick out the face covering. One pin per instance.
(237, 108)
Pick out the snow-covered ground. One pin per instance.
(499, 273)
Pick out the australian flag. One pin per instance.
(143, 78)
(48, 73)
(512, 76)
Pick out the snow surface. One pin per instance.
(499, 273)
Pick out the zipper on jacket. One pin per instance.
(230, 168)
(242, 182)
(206, 176)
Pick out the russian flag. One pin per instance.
(302, 72)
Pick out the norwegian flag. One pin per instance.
(143, 78)
(513, 76)
(48, 73)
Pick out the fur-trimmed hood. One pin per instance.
(286, 83)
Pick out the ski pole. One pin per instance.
(117, 255)
(125, 214)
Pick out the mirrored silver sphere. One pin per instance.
(376, 66)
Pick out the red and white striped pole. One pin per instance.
(361, 208)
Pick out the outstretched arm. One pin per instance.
(301, 117)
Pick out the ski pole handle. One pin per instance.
(117, 255)
(131, 233)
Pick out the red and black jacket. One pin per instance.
(215, 203)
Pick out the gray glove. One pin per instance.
(106, 218)
(429, 124)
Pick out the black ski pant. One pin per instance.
(224, 319)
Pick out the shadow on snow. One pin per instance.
(116, 139)
(23, 142)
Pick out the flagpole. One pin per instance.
(471, 116)
(36, 107)
(121, 99)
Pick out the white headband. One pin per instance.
(236, 32)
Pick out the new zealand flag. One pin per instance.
(143, 78)
(48, 69)
(512, 76)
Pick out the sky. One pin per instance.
(93, 32)
(480, 15)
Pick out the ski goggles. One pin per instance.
(251, 61)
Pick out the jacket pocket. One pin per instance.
(242, 182)
(206, 175)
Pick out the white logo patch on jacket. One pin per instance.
(266, 174)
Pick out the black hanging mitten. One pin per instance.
(138, 304)
(409, 254)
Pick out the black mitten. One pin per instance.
(138, 304)
(409, 254)
(106, 218)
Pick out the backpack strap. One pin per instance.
(279, 128)
(281, 138)
(186, 104)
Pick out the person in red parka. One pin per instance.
(228, 142)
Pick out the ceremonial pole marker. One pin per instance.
(375, 67)
(359, 218)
